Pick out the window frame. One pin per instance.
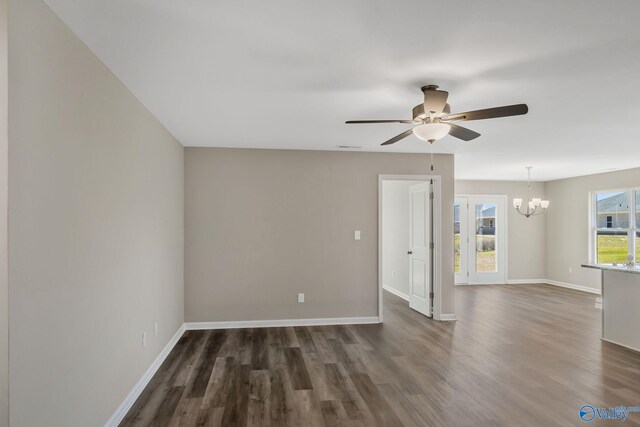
(631, 230)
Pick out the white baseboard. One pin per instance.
(572, 286)
(480, 284)
(621, 345)
(447, 317)
(395, 292)
(554, 283)
(281, 323)
(133, 395)
(525, 281)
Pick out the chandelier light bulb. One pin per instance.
(517, 203)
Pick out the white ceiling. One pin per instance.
(288, 73)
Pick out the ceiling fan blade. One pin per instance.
(435, 101)
(491, 113)
(462, 133)
(397, 138)
(352, 122)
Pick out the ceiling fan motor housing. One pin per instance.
(419, 115)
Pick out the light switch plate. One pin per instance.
(356, 235)
(300, 297)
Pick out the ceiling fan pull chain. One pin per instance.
(431, 147)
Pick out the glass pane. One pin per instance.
(486, 238)
(456, 238)
(637, 210)
(612, 210)
(612, 246)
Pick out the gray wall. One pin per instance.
(395, 234)
(526, 236)
(263, 225)
(95, 225)
(4, 284)
(568, 224)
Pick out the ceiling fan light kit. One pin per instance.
(535, 205)
(433, 118)
(432, 132)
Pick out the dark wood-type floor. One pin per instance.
(525, 355)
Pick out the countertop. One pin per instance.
(610, 267)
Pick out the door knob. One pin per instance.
(410, 252)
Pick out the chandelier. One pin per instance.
(535, 206)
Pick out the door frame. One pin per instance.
(436, 219)
(505, 236)
(464, 244)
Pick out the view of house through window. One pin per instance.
(485, 238)
(616, 216)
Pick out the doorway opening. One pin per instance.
(409, 241)
(480, 239)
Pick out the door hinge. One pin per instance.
(467, 274)
(432, 245)
(431, 196)
(431, 295)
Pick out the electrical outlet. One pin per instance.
(144, 339)
(356, 235)
(155, 327)
(300, 297)
(570, 270)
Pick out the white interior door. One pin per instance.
(420, 293)
(460, 239)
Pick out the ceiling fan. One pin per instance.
(433, 118)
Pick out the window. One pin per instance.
(615, 219)
(486, 257)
